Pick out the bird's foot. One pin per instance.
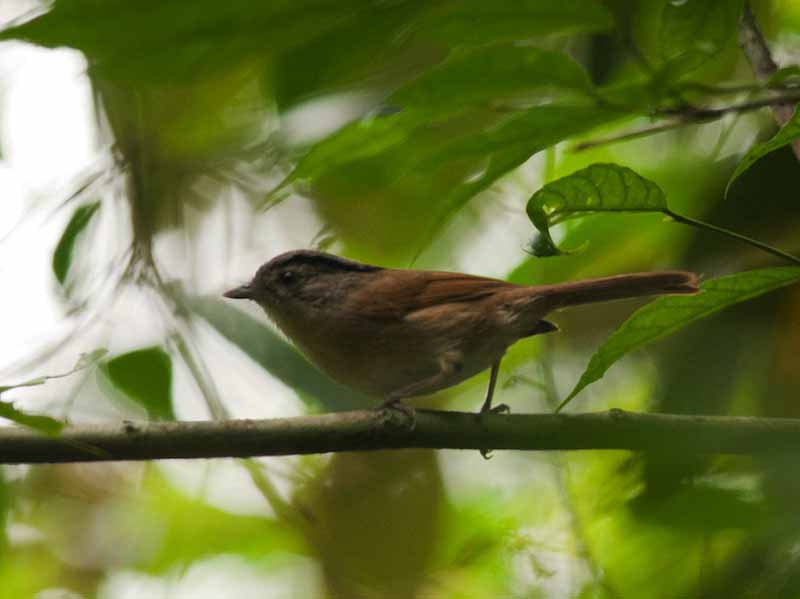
(489, 409)
(392, 405)
(498, 409)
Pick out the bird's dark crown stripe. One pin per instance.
(320, 258)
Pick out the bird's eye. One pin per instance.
(287, 276)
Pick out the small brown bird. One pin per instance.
(400, 333)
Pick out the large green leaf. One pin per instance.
(480, 22)
(510, 144)
(62, 256)
(506, 72)
(169, 40)
(787, 134)
(596, 188)
(276, 356)
(694, 31)
(667, 314)
(144, 376)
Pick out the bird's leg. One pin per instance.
(448, 364)
(487, 403)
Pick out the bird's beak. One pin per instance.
(241, 292)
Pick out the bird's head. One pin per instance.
(302, 278)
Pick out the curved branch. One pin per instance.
(372, 430)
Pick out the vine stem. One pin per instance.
(722, 231)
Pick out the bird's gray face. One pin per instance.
(301, 280)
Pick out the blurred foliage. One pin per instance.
(408, 131)
(145, 377)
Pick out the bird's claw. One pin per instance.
(393, 405)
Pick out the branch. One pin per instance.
(372, 430)
(685, 116)
(755, 48)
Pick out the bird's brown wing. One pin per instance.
(398, 293)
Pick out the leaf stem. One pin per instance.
(748, 240)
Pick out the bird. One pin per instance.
(401, 333)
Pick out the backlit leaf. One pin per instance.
(596, 188)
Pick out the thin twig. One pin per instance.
(678, 218)
(686, 116)
(373, 430)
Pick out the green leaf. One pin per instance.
(787, 134)
(145, 377)
(667, 314)
(276, 356)
(481, 22)
(596, 188)
(506, 73)
(693, 31)
(43, 424)
(62, 256)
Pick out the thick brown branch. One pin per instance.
(372, 430)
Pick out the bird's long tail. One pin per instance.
(605, 289)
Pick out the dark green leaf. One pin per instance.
(692, 31)
(493, 73)
(596, 188)
(667, 314)
(276, 356)
(480, 22)
(145, 377)
(62, 256)
(787, 134)
(43, 424)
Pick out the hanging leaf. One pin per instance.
(667, 314)
(787, 134)
(62, 256)
(145, 377)
(596, 188)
